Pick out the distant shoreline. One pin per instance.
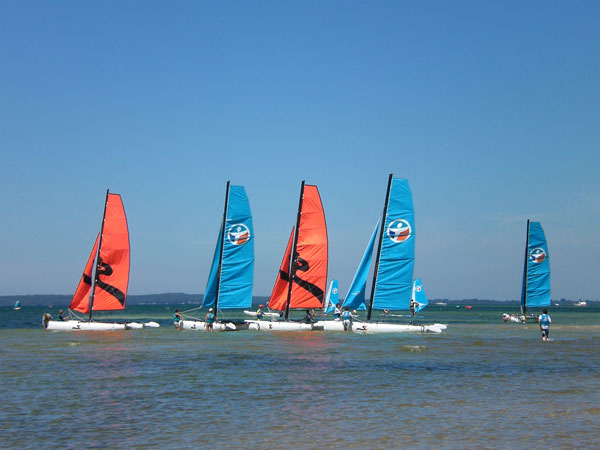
(196, 299)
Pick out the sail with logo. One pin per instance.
(535, 290)
(331, 298)
(392, 285)
(419, 296)
(302, 277)
(103, 285)
(230, 279)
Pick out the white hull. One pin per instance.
(266, 314)
(512, 318)
(200, 325)
(77, 325)
(375, 327)
(265, 325)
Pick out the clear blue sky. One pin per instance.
(490, 109)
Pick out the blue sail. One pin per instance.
(355, 299)
(536, 283)
(332, 298)
(394, 279)
(419, 295)
(237, 264)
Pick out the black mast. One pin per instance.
(381, 231)
(526, 267)
(221, 249)
(293, 255)
(95, 277)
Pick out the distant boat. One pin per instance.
(17, 305)
(441, 303)
(468, 307)
(580, 303)
(230, 281)
(535, 290)
(418, 295)
(302, 276)
(331, 298)
(392, 285)
(106, 288)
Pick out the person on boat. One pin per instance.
(259, 312)
(337, 312)
(177, 317)
(413, 307)
(309, 316)
(545, 322)
(61, 317)
(347, 319)
(210, 320)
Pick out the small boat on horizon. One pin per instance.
(580, 303)
(17, 305)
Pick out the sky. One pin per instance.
(491, 110)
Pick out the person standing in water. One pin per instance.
(259, 312)
(347, 319)
(210, 320)
(545, 322)
(177, 317)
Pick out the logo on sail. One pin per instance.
(334, 291)
(418, 288)
(399, 230)
(238, 234)
(537, 255)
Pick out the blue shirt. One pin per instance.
(347, 316)
(545, 321)
(210, 318)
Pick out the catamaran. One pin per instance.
(17, 305)
(302, 277)
(106, 288)
(230, 280)
(535, 291)
(393, 274)
(331, 298)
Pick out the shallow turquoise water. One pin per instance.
(481, 384)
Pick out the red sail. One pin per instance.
(81, 299)
(310, 264)
(280, 290)
(112, 270)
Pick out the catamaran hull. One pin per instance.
(265, 325)
(199, 325)
(332, 325)
(77, 325)
(512, 318)
(266, 314)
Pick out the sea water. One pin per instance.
(480, 384)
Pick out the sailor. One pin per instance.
(259, 312)
(413, 307)
(210, 320)
(177, 317)
(545, 322)
(308, 318)
(347, 319)
(337, 312)
(60, 316)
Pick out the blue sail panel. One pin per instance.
(332, 298)
(393, 288)
(210, 294)
(538, 268)
(419, 295)
(355, 299)
(237, 267)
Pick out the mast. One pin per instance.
(292, 272)
(525, 269)
(381, 231)
(94, 278)
(222, 244)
